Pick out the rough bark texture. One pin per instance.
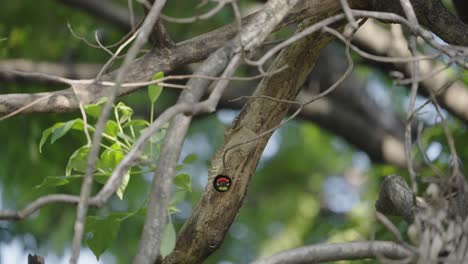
(433, 15)
(396, 198)
(204, 231)
(340, 251)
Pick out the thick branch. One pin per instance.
(170, 151)
(433, 15)
(204, 231)
(342, 117)
(143, 69)
(68, 70)
(339, 251)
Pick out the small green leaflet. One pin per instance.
(111, 128)
(137, 123)
(123, 185)
(190, 159)
(107, 162)
(59, 130)
(168, 240)
(183, 181)
(154, 90)
(55, 181)
(94, 110)
(125, 112)
(177, 197)
(104, 230)
(78, 160)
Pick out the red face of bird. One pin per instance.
(222, 183)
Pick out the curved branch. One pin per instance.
(67, 70)
(339, 251)
(433, 15)
(142, 69)
(452, 94)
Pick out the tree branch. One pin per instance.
(204, 231)
(148, 249)
(433, 15)
(341, 113)
(189, 51)
(104, 9)
(67, 70)
(452, 94)
(141, 38)
(339, 251)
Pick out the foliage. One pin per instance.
(120, 134)
(285, 205)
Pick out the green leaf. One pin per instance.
(110, 158)
(61, 129)
(120, 191)
(111, 128)
(58, 130)
(178, 197)
(183, 181)
(78, 160)
(137, 123)
(179, 167)
(94, 110)
(101, 177)
(125, 111)
(190, 159)
(45, 134)
(168, 240)
(104, 232)
(154, 90)
(55, 181)
(125, 137)
(173, 210)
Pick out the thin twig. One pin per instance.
(204, 16)
(156, 215)
(349, 14)
(410, 115)
(86, 187)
